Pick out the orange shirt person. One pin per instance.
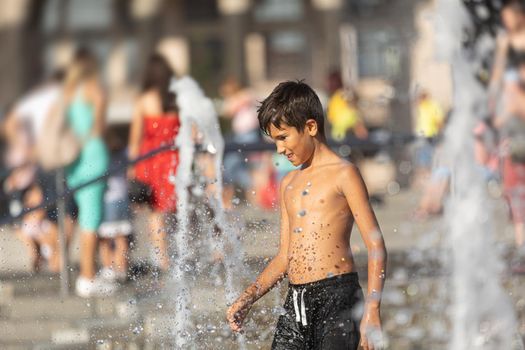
(320, 202)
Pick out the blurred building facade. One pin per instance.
(260, 42)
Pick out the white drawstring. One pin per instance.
(300, 316)
(296, 307)
(303, 309)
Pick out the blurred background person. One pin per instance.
(116, 228)
(508, 110)
(38, 233)
(436, 187)
(486, 150)
(511, 124)
(510, 44)
(343, 111)
(251, 173)
(85, 114)
(156, 123)
(23, 128)
(18, 159)
(430, 119)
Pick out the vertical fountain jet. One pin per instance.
(198, 116)
(481, 312)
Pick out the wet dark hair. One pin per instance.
(518, 5)
(291, 103)
(158, 76)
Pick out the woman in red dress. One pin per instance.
(156, 123)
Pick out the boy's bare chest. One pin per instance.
(305, 198)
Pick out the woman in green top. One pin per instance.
(85, 116)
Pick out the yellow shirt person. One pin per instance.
(430, 117)
(343, 116)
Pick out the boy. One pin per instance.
(319, 203)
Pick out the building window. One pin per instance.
(279, 11)
(379, 54)
(287, 53)
(201, 10)
(207, 62)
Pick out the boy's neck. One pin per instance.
(319, 156)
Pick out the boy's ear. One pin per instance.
(311, 127)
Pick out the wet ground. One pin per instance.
(414, 310)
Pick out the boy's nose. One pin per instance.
(280, 148)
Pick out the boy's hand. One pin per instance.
(236, 314)
(370, 328)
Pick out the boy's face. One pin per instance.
(297, 146)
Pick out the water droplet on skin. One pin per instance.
(330, 274)
(298, 230)
(308, 184)
(343, 259)
(301, 213)
(305, 192)
(289, 187)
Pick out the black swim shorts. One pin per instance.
(321, 315)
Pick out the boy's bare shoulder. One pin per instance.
(347, 175)
(348, 168)
(342, 167)
(288, 178)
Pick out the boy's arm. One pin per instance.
(273, 273)
(354, 189)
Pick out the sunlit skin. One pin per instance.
(319, 204)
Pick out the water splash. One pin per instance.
(197, 113)
(482, 314)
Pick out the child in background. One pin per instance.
(436, 187)
(39, 234)
(116, 227)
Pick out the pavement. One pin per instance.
(415, 310)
